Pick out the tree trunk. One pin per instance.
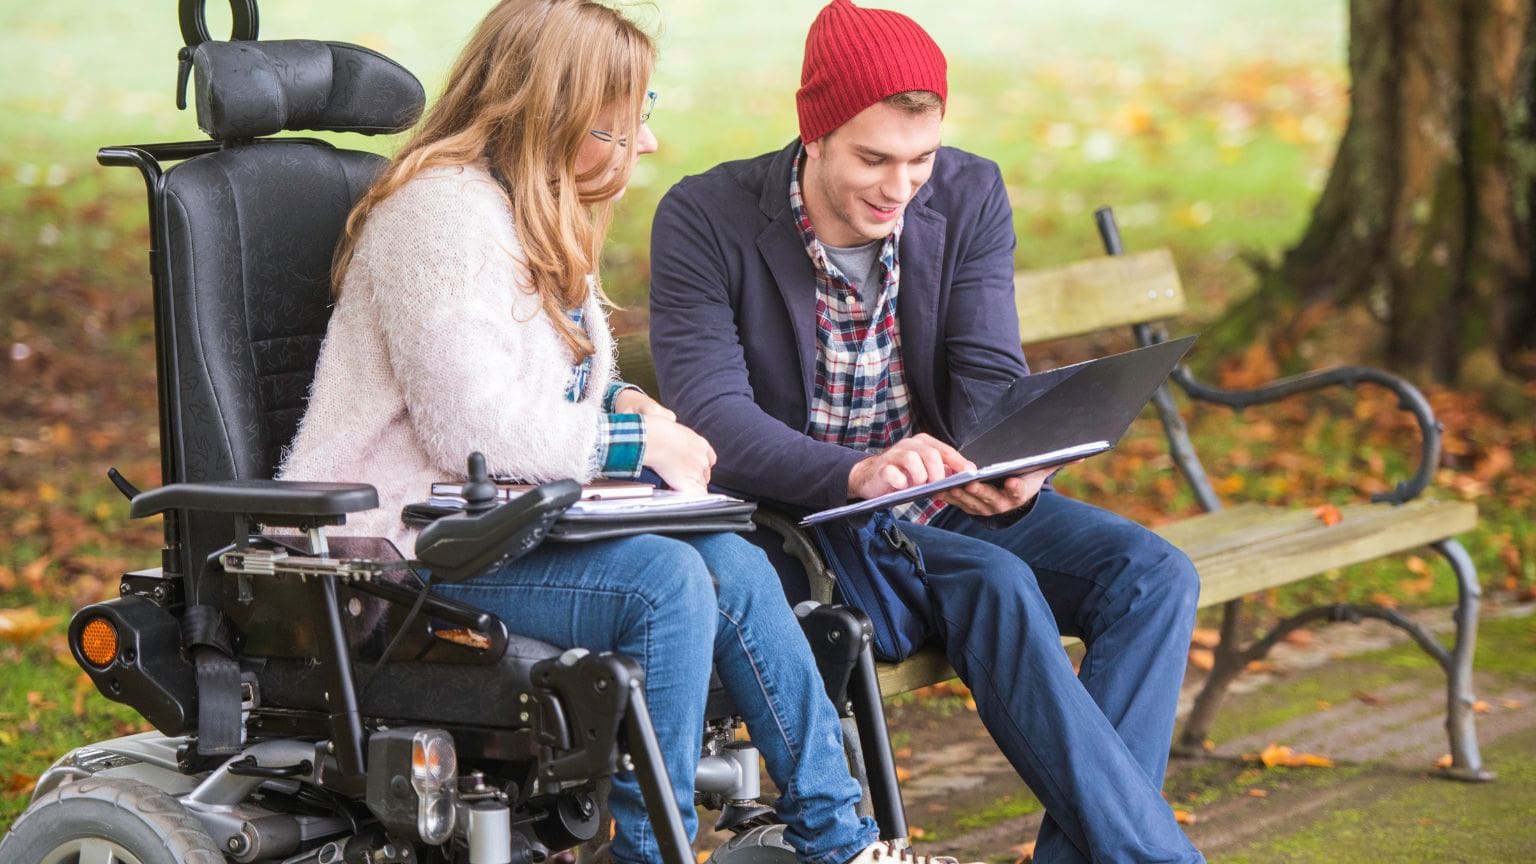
(1426, 214)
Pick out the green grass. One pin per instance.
(47, 709)
(1505, 647)
(1422, 821)
(1006, 807)
(1002, 809)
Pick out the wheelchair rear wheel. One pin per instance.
(108, 821)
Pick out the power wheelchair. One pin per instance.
(314, 703)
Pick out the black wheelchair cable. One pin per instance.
(405, 626)
(336, 803)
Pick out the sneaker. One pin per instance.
(896, 852)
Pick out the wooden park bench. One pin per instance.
(1239, 550)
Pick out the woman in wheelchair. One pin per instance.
(469, 317)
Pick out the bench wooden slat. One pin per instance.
(1293, 545)
(1210, 536)
(927, 666)
(1251, 547)
(1097, 294)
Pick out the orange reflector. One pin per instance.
(98, 642)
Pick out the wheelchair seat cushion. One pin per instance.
(250, 89)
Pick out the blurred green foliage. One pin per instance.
(1204, 131)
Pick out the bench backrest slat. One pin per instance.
(1053, 303)
(1097, 294)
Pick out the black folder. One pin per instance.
(1049, 418)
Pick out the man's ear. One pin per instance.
(813, 148)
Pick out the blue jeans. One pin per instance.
(1092, 746)
(649, 597)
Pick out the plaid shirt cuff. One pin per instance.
(620, 444)
(613, 391)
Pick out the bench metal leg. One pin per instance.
(1231, 658)
(1466, 761)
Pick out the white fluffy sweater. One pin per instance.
(438, 347)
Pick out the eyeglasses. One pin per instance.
(648, 106)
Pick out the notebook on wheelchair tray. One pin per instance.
(606, 510)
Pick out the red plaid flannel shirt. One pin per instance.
(860, 398)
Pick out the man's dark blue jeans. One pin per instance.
(1094, 745)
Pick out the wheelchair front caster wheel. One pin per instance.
(763, 844)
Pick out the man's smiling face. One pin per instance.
(859, 179)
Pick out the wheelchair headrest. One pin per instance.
(246, 89)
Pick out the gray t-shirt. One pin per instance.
(861, 266)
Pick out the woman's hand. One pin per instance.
(680, 455)
(632, 401)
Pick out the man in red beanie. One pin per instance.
(832, 317)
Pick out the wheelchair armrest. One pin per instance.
(272, 502)
(461, 546)
(797, 544)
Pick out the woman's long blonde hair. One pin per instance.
(524, 95)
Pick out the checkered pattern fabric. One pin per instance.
(860, 399)
(620, 437)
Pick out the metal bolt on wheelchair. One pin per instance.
(314, 703)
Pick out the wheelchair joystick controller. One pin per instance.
(479, 492)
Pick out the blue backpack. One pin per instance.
(880, 571)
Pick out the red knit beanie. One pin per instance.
(855, 57)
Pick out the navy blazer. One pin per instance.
(733, 317)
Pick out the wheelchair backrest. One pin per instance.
(243, 281)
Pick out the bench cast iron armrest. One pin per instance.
(1409, 399)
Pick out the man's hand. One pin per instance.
(911, 461)
(632, 401)
(984, 499)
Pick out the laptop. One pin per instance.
(1048, 419)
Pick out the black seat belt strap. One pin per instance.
(206, 634)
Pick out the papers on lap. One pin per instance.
(663, 501)
(449, 494)
(1048, 419)
(599, 498)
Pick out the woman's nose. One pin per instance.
(646, 140)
